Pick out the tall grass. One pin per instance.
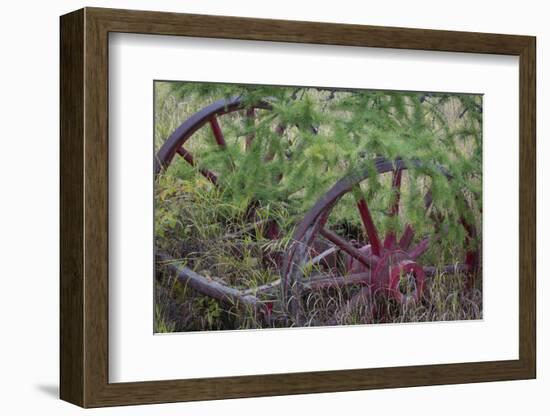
(203, 228)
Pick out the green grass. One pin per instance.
(212, 231)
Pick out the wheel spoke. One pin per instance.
(217, 131)
(407, 237)
(348, 248)
(396, 191)
(420, 248)
(204, 172)
(250, 118)
(370, 228)
(428, 199)
(390, 240)
(472, 257)
(220, 140)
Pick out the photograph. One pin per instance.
(258, 203)
(306, 206)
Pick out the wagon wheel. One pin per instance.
(380, 264)
(177, 144)
(210, 116)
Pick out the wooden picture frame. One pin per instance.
(84, 207)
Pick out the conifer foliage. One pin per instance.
(280, 160)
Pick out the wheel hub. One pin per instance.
(393, 267)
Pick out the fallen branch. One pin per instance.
(211, 287)
(316, 283)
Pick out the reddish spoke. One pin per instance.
(468, 227)
(216, 129)
(390, 240)
(420, 248)
(472, 260)
(471, 255)
(273, 231)
(428, 199)
(369, 226)
(396, 194)
(407, 237)
(369, 261)
(280, 129)
(204, 172)
(250, 117)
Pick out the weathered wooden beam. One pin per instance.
(211, 287)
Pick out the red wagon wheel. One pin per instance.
(207, 116)
(380, 264)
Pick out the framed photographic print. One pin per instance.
(255, 207)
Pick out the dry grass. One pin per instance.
(199, 227)
(205, 235)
